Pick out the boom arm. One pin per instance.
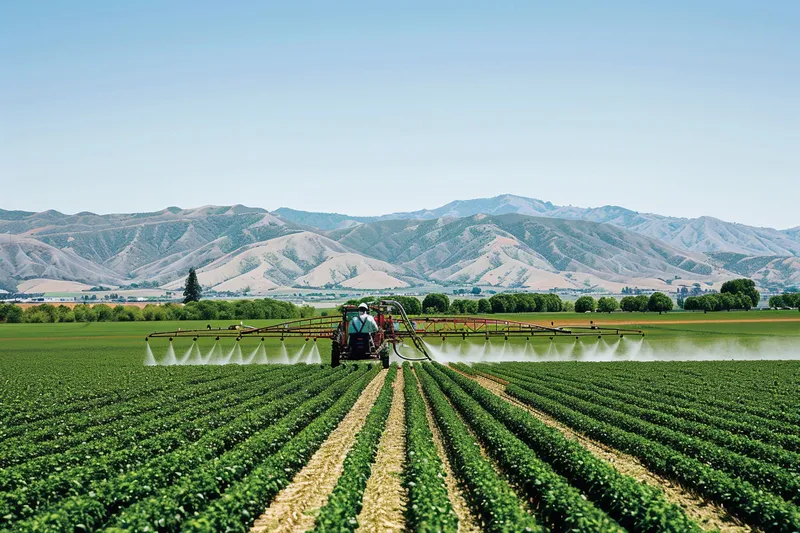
(404, 328)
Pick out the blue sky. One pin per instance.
(681, 108)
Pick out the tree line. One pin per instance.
(734, 294)
(658, 302)
(787, 299)
(203, 310)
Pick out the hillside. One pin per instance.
(299, 260)
(25, 258)
(238, 247)
(703, 234)
(154, 246)
(522, 251)
(768, 271)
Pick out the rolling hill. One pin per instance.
(703, 234)
(522, 251)
(506, 241)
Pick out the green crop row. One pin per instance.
(28, 416)
(489, 495)
(729, 415)
(192, 492)
(750, 400)
(28, 495)
(736, 424)
(740, 498)
(238, 508)
(735, 443)
(340, 513)
(429, 508)
(561, 506)
(636, 506)
(108, 497)
(765, 476)
(105, 435)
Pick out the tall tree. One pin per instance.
(607, 304)
(659, 302)
(435, 303)
(776, 302)
(193, 290)
(742, 286)
(585, 304)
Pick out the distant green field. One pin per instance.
(122, 344)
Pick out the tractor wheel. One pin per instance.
(385, 358)
(334, 354)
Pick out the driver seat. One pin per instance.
(360, 345)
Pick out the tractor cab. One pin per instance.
(358, 346)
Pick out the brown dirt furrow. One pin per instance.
(293, 509)
(708, 514)
(467, 521)
(384, 501)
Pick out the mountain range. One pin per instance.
(505, 241)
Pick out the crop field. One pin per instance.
(91, 439)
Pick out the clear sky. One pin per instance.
(683, 108)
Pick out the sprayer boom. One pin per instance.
(402, 328)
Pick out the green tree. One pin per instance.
(659, 302)
(484, 306)
(103, 312)
(742, 286)
(84, 313)
(642, 301)
(628, 304)
(437, 302)
(14, 315)
(528, 303)
(411, 305)
(791, 299)
(607, 304)
(464, 307)
(744, 302)
(567, 306)
(584, 304)
(192, 290)
(504, 303)
(728, 301)
(154, 312)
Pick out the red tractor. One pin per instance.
(394, 328)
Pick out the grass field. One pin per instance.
(92, 439)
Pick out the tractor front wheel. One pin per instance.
(385, 358)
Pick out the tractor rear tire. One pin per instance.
(385, 359)
(334, 354)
